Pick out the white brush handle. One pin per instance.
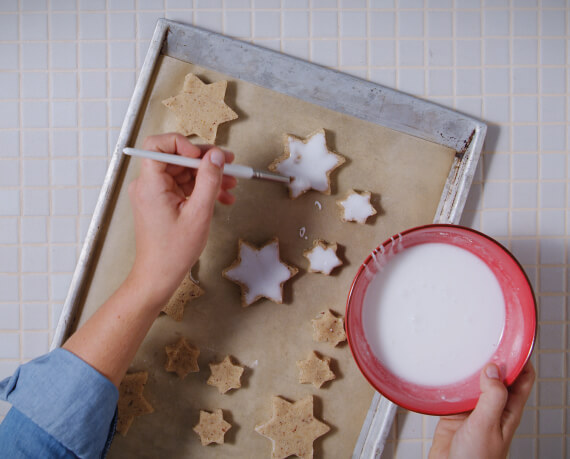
(235, 170)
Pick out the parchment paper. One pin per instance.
(406, 176)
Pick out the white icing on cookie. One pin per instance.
(309, 162)
(322, 257)
(302, 232)
(318, 205)
(356, 207)
(260, 272)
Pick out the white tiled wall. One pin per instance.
(67, 69)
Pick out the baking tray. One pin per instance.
(301, 80)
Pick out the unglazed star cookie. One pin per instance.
(328, 328)
(293, 428)
(212, 427)
(322, 257)
(309, 162)
(131, 401)
(356, 207)
(225, 375)
(259, 272)
(188, 291)
(181, 358)
(315, 370)
(200, 108)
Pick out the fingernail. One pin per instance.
(492, 372)
(217, 157)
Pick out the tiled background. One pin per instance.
(67, 69)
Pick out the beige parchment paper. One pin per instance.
(406, 176)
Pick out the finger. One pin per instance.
(173, 143)
(518, 395)
(187, 188)
(226, 198)
(184, 177)
(487, 414)
(228, 155)
(228, 182)
(206, 188)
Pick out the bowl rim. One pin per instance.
(465, 405)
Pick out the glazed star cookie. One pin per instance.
(293, 428)
(328, 328)
(259, 272)
(181, 358)
(356, 207)
(225, 375)
(131, 401)
(200, 108)
(315, 370)
(212, 427)
(322, 257)
(188, 291)
(309, 162)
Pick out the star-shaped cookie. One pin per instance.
(315, 370)
(293, 428)
(200, 108)
(328, 328)
(131, 401)
(309, 162)
(322, 257)
(186, 292)
(225, 375)
(356, 207)
(212, 427)
(259, 272)
(181, 358)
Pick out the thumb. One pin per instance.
(207, 187)
(489, 410)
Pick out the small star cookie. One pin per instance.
(293, 428)
(328, 328)
(200, 108)
(309, 162)
(131, 401)
(315, 370)
(225, 375)
(212, 427)
(322, 257)
(182, 358)
(259, 272)
(188, 291)
(356, 207)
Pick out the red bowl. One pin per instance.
(513, 349)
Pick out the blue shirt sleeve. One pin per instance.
(64, 397)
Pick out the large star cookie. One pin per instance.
(328, 328)
(186, 292)
(181, 358)
(200, 108)
(259, 272)
(131, 401)
(212, 427)
(309, 162)
(322, 257)
(225, 375)
(356, 207)
(293, 428)
(315, 370)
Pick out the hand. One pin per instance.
(488, 430)
(170, 230)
